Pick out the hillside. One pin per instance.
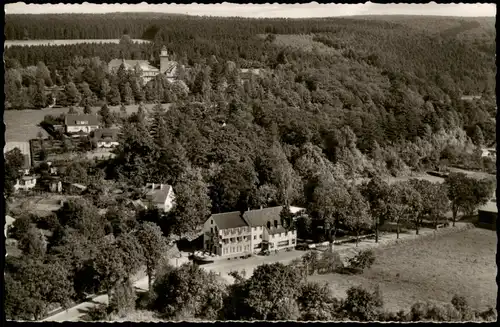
(395, 82)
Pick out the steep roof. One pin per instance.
(158, 195)
(229, 220)
(171, 65)
(131, 64)
(260, 217)
(72, 119)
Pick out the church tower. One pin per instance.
(164, 60)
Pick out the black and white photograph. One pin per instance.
(250, 162)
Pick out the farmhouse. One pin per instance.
(106, 137)
(146, 70)
(160, 195)
(238, 233)
(76, 123)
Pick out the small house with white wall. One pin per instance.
(81, 123)
(105, 138)
(160, 195)
(25, 183)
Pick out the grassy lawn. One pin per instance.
(430, 269)
(22, 125)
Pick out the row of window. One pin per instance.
(235, 249)
(236, 239)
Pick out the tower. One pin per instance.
(164, 60)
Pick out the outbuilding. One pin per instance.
(487, 215)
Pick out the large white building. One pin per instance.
(237, 234)
(148, 71)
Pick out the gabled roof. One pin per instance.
(170, 67)
(71, 119)
(158, 195)
(8, 221)
(228, 220)
(276, 230)
(105, 134)
(260, 217)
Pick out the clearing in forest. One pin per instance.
(22, 125)
(303, 42)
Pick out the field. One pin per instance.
(22, 125)
(430, 269)
(9, 43)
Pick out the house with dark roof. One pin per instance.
(227, 234)
(488, 214)
(78, 123)
(160, 195)
(238, 233)
(105, 137)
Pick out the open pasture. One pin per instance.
(460, 263)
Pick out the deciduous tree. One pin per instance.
(154, 247)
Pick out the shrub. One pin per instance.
(362, 305)
(310, 260)
(145, 300)
(123, 300)
(462, 306)
(48, 222)
(431, 311)
(329, 262)
(357, 264)
(98, 313)
(488, 315)
(400, 316)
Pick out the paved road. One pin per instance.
(249, 264)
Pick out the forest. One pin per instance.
(384, 99)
